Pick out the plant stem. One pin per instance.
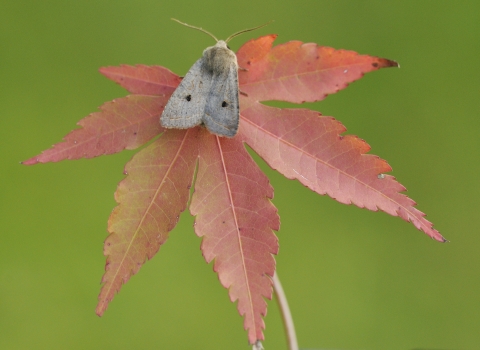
(286, 314)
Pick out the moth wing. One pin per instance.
(222, 108)
(186, 106)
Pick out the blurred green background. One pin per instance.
(355, 279)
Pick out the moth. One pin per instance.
(208, 94)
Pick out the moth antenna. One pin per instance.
(200, 29)
(246, 30)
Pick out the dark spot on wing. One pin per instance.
(224, 104)
(188, 98)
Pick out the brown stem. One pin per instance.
(286, 314)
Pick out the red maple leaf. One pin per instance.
(231, 201)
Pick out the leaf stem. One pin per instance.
(286, 314)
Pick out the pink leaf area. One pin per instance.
(125, 123)
(299, 72)
(303, 145)
(235, 218)
(143, 80)
(150, 200)
(231, 201)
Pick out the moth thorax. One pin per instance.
(219, 58)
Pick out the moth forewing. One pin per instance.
(186, 106)
(222, 107)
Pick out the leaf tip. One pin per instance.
(102, 305)
(385, 63)
(103, 70)
(30, 161)
(438, 236)
(100, 310)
